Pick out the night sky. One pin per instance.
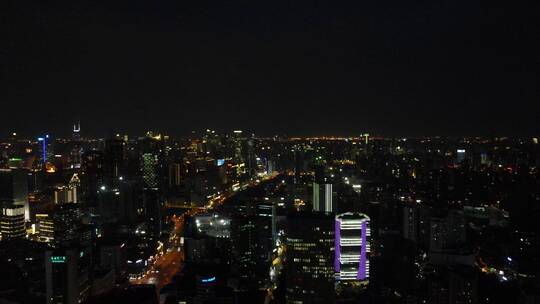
(391, 67)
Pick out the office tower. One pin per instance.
(66, 219)
(12, 222)
(92, 175)
(151, 167)
(299, 164)
(14, 188)
(114, 158)
(251, 244)
(152, 162)
(237, 146)
(113, 256)
(205, 288)
(309, 269)
(448, 232)
(250, 156)
(149, 170)
(129, 201)
(69, 193)
(43, 141)
(67, 275)
(410, 223)
(108, 203)
(153, 207)
(323, 198)
(74, 186)
(45, 227)
(352, 247)
(121, 202)
(211, 143)
(175, 175)
(60, 227)
(76, 147)
(77, 131)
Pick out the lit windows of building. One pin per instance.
(310, 255)
(352, 247)
(12, 222)
(45, 227)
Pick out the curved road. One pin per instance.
(169, 262)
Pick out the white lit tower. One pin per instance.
(323, 197)
(76, 150)
(77, 131)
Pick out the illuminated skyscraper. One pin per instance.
(14, 188)
(12, 222)
(69, 193)
(149, 168)
(45, 226)
(323, 197)
(309, 270)
(77, 131)
(44, 142)
(76, 150)
(352, 247)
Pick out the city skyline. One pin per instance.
(239, 218)
(276, 152)
(195, 133)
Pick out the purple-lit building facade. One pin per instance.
(352, 237)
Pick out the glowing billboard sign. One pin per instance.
(58, 259)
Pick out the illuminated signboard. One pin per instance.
(220, 162)
(212, 279)
(58, 259)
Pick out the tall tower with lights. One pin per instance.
(352, 237)
(44, 141)
(76, 150)
(77, 131)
